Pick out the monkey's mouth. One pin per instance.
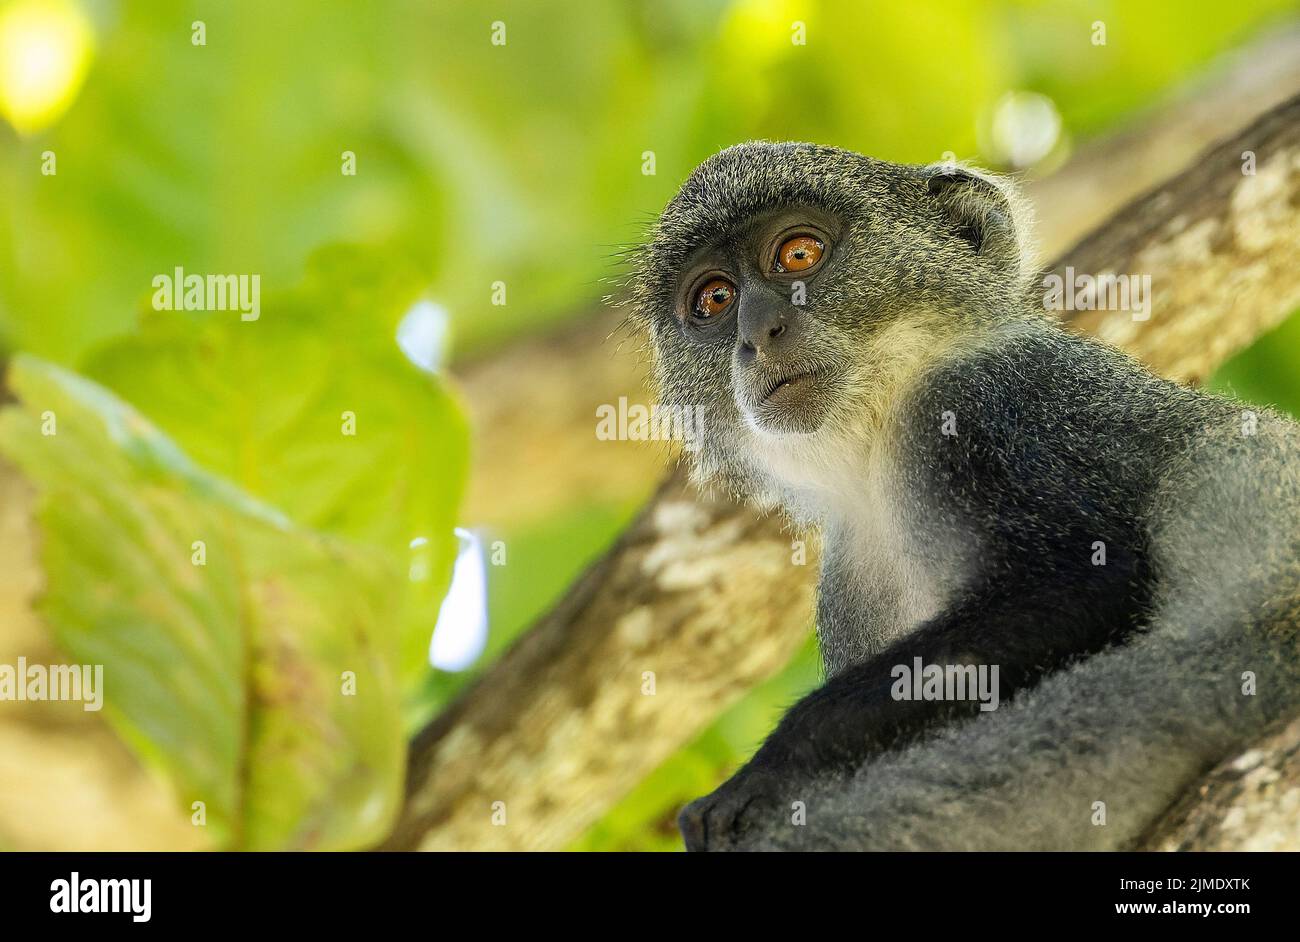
(795, 404)
(788, 389)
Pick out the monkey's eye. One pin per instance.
(714, 298)
(799, 253)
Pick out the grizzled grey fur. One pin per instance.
(963, 458)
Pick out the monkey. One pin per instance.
(867, 355)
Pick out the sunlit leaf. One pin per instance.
(314, 408)
(227, 675)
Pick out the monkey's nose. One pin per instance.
(763, 331)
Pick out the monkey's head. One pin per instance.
(788, 287)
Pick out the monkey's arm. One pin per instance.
(1086, 760)
(836, 728)
(1025, 634)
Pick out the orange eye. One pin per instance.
(799, 253)
(714, 298)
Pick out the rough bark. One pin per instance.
(1108, 172)
(1250, 802)
(696, 603)
(704, 595)
(1221, 248)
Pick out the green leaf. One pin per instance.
(1265, 371)
(228, 675)
(266, 403)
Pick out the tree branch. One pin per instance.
(1250, 802)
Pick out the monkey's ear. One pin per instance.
(978, 211)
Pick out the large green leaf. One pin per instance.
(230, 675)
(263, 403)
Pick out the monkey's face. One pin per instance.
(737, 306)
(776, 271)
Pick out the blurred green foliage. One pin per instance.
(263, 404)
(1266, 372)
(520, 163)
(475, 163)
(317, 466)
(224, 630)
